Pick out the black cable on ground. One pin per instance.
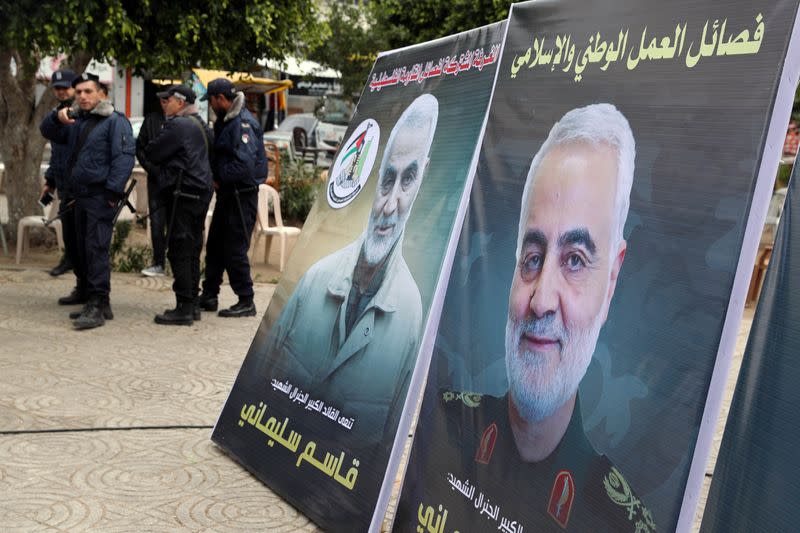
(83, 430)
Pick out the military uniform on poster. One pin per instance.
(491, 487)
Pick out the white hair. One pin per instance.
(596, 125)
(421, 113)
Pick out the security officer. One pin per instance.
(150, 129)
(55, 181)
(240, 165)
(101, 146)
(181, 151)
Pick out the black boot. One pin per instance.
(92, 314)
(64, 266)
(197, 311)
(208, 302)
(182, 315)
(245, 307)
(106, 308)
(76, 297)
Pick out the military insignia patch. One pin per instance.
(486, 447)
(620, 492)
(245, 138)
(561, 497)
(469, 399)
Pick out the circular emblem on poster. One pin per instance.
(351, 169)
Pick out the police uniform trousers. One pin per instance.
(93, 224)
(69, 230)
(187, 217)
(156, 220)
(228, 243)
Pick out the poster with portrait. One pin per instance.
(320, 409)
(601, 270)
(754, 486)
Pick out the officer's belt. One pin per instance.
(245, 190)
(194, 193)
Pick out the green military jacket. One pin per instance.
(364, 374)
(467, 471)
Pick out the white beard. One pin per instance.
(377, 247)
(537, 396)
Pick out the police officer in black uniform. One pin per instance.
(181, 152)
(156, 213)
(101, 147)
(60, 82)
(55, 180)
(240, 165)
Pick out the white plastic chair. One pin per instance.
(3, 220)
(266, 196)
(37, 221)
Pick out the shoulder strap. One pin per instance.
(90, 124)
(196, 121)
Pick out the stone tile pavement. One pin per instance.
(108, 429)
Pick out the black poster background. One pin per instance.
(699, 137)
(463, 100)
(755, 487)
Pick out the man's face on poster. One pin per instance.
(564, 278)
(398, 185)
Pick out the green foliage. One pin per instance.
(134, 259)
(162, 37)
(127, 259)
(351, 44)
(355, 34)
(298, 189)
(784, 173)
(120, 235)
(405, 22)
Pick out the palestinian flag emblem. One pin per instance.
(353, 164)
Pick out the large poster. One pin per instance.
(319, 409)
(600, 274)
(754, 487)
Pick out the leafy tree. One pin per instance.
(406, 22)
(351, 44)
(151, 36)
(358, 33)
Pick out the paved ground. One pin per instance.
(108, 429)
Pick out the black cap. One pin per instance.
(179, 91)
(222, 86)
(86, 76)
(62, 78)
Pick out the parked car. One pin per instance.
(319, 134)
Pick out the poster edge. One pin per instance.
(419, 376)
(758, 207)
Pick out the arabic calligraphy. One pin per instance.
(426, 519)
(448, 66)
(331, 465)
(562, 52)
(295, 394)
(483, 504)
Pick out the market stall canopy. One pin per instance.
(244, 81)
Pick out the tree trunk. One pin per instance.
(21, 144)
